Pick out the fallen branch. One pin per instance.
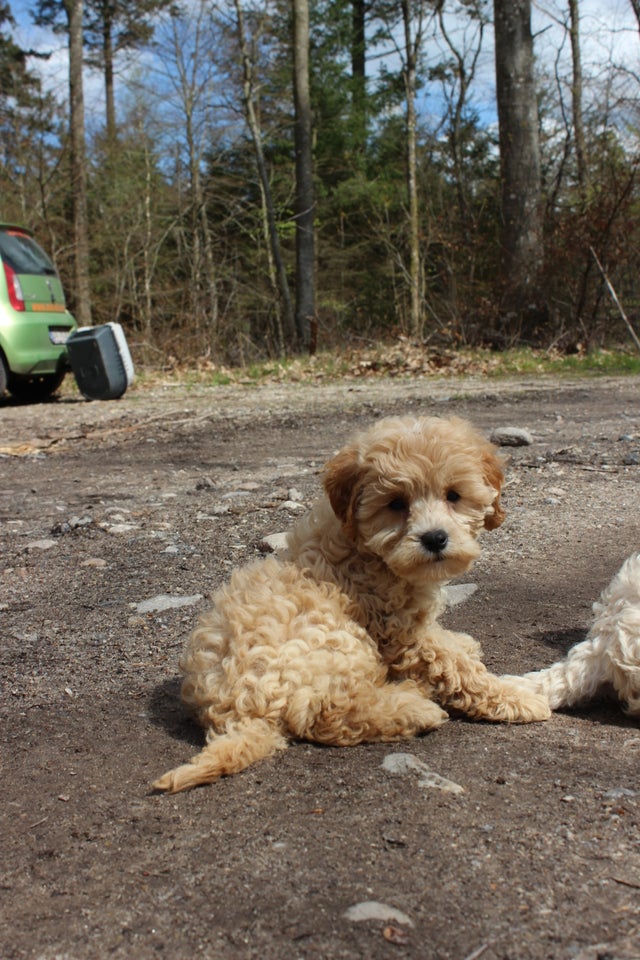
(614, 297)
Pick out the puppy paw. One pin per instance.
(523, 704)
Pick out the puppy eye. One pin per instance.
(398, 505)
(452, 496)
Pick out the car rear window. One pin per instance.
(24, 255)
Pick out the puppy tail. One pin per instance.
(242, 744)
(574, 680)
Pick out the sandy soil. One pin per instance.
(118, 519)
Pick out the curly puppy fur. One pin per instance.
(339, 643)
(607, 662)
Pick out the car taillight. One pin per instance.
(16, 296)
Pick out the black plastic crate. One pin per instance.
(100, 360)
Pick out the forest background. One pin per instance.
(271, 177)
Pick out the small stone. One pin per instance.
(41, 544)
(96, 562)
(457, 593)
(374, 910)
(205, 483)
(404, 764)
(293, 506)
(295, 495)
(118, 528)
(273, 543)
(165, 601)
(618, 793)
(511, 437)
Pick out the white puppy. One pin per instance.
(607, 662)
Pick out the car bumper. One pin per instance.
(27, 343)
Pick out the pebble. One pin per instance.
(165, 601)
(511, 437)
(374, 910)
(42, 544)
(617, 793)
(457, 593)
(273, 543)
(118, 528)
(404, 764)
(293, 505)
(97, 562)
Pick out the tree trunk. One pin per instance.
(358, 77)
(305, 313)
(522, 244)
(281, 281)
(415, 313)
(107, 55)
(576, 99)
(74, 10)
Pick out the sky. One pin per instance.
(609, 33)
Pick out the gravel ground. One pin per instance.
(119, 519)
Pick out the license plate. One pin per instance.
(59, 337)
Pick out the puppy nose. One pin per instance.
(434, 541)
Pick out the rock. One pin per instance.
(618, 793)
(293, 505)
(273, 543)
(295, 495)
(165, 601)
(68, 526)
(118, 528)
(511, 437)
(41, 544)
(205, 483)
(457, 593)
(374, 910)
(403, 764)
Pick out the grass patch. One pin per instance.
(399, 360)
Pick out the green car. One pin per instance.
(34, 320)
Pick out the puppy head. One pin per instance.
(417, 493)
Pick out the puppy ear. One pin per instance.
(341, 476)
(494, 475)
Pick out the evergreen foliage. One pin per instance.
(180, 248)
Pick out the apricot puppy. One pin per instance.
(339, 643)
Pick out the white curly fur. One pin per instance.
(339, 642)
(607, 662)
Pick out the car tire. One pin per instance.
(35, 389)
(4, 376)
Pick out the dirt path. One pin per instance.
(119, 518)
